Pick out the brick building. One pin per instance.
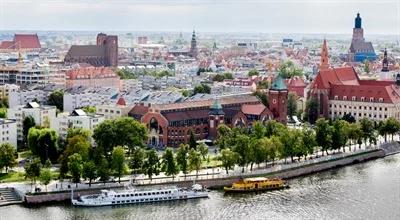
(27, 42)
(92, 77)
(104, 53)
(339, 91)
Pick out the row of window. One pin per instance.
(359, 107)
(144, 194)
(362, 99)
(141, 200)
(359, 114)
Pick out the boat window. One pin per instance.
(140, 194)
(146, 200)
(157, 193)
(145, 194)
(118, 201)
(113, 202)
(141, 200)
(153, 193)
(131, 194)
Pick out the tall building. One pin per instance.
(277, 98)
(360, 50)
(324, 56)
(104, 53)
(8, 132)
(385, 62)
(193, 46)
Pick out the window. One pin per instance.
(353, 98)
(344, 98)
(362, 99)
(380, 99)
(371, 99)
(336, 97)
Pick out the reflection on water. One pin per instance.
(363, 191)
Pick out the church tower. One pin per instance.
(385, 62)
(277, 98)
(324, 57)
(193, 45)
(215, 118)
(358, 32)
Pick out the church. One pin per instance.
(360, 50)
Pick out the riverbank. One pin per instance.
(285, 171)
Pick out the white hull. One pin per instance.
(111, 198)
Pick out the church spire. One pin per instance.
(357, 21)
(385, 62)
(324, 57)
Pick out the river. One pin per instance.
(368, 190)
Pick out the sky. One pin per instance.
(258, 16)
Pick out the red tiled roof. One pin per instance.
(187, 114)
(7, 45)
(335, 76)
(121, 101)
(253, 109)
(295, 82)
(27, 41)
(390, 93)
(138, 110)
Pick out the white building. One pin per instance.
(34, 93)
(77, 119)
(80, 97)
(6, 89)
(114, 110)
(8, 132)
(43, 115)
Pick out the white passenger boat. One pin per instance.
(133, 196)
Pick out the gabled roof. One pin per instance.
(278, 84)
(253, 109)
(27, 41)
(335, 76)
(86, 51)
(78, 112)
(32, 105)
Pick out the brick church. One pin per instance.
(171, 124)
(339, 91)
(104, 53)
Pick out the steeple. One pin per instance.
(324, 57)
(193, 45)
(357, 21)
(385, 62)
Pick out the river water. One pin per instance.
(363, 191)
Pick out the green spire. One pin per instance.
(278, 83)
(216, 108)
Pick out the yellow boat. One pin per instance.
(256, 184)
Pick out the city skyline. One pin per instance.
(270, 16)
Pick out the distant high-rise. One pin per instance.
(104, 53)
(193, 46)
(360, 50)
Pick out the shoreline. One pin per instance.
(303, 169)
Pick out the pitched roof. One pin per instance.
(27, 41)
(186, 114)
(86, 51)
(7, 45)
(335, 76)
(278, 84)
(357, 46)
(253, 109)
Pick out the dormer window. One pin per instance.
(353, 98)
(371, 99)
(336, 97)
(362, 99)
(344, 98)
(380, 99)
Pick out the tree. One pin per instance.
(309, 140)
(124, 131)
(224, 134)
(258, 130)
(75, 167)
(274, 128)
(118, 162)
(367, 67)
(32, 169)
(392, 126)
(354, 133)
(340, 133)
(7, 156)
(349, 118)
(192, 140)
(3, 113)
(228, 159)
(169, 165)
(56, 98)
(289, 70)
(194, 161)
(311, 114)
(323, 134)
(253, 72)
(273, 147)
(89, 109)
(203, 150)
(292, 104)
(89, 171)
(367, 129)
(85, 133)
(28, 123)
(43, 143)
(202, 88)
(257, 152)
(151, 164)
(103, 171)
(241, 147)
(290, 139)
(45, 177)
(182, 158)
(137, 159)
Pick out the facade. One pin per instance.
(92, 77)
(6, 89)
(38, 74)
(360, 50)
(193, 46)
(104, 53)
(171, 124)
(339, 91)
(44, 116)
(77, 119)
(8, 132)
(26, 42)
(34, 93)
(112, 111)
